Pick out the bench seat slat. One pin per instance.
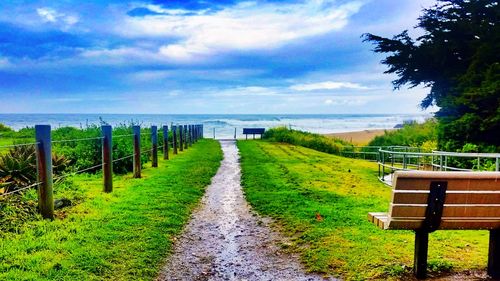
(472, 200)
(448, 211)
(451, 198)
(446, 224)
(379, 219)
(419, 180)
(453, 184)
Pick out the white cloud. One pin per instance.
(50, 15)
(151, 75)
(120, 55)
(349, 100)
(4, 63)
(159, 9)
(328, 85)
(71, 20)
(249, 91)
(47, 14)
(245, 26)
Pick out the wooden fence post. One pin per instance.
(154, 144)
(193, 138)
(190, 135)
(181, 139)
(107, 157)
(44, 171)
(186, 137)
(174, 138)
(165, 142)
(137, 151)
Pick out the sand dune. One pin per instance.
(359, 137)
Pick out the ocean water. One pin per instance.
(224, 125)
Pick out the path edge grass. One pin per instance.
(114, 236)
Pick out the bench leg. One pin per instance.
(494, 254)
(421, 249)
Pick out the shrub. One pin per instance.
(88, 153)
(411, 134)
(18, 167)
(310, 140)
(4, 128)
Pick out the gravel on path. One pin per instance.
(226, 240)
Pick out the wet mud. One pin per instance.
(226, 240)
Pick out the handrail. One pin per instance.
(435, 160)
(468, 154)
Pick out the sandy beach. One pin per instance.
(359, 137)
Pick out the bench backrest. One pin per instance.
(472, 199)
(253, 131)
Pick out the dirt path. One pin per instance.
(225, 240)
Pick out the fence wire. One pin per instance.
(75, 140)
(17, 145)
(20, 189)
(143, 151)
(77, 172)
(123, 136)
(122, 158)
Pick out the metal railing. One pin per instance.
(394, 160)
(372, 153)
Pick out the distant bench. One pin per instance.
(428, 201)
(253, 131)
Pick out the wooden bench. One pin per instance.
(253, 131)
(428, 201)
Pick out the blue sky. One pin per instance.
(201, 56)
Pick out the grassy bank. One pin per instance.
(315, 141)
(423, 135)
(124, 235)
(322, 201)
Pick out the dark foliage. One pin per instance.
(458, 57)
(18, 167)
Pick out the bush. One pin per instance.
(310, 140)
(18, 167)
(4, 128)
(88, 153)
(412, 134)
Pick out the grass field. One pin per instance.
(321, 201)
(124, 235)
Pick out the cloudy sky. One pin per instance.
(201, 56)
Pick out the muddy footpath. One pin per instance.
(226, 240)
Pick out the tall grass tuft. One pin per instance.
(306, 139)
(411, 134)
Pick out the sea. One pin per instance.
(222, 126)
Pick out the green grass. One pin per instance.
(124, 235)
(315, 141)
(323, 207)
(423, 135)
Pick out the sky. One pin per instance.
(202, 56)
